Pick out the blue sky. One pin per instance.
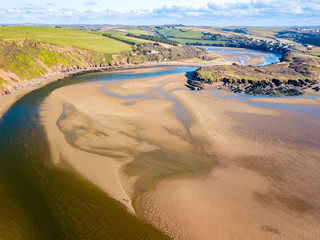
(147, 12)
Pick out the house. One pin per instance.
(152, 51)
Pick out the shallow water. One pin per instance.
(34, 194)
(243, 55)
(42, 202)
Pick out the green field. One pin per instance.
(214, 42)
(136, 30)
(183, 40)
(121, 35)
(128, 29)
(66, 37)
(178, 33)
(262, 31)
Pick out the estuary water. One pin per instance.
(244, 55)
(40, 201)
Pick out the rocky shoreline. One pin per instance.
(273, 88)
(283, 79)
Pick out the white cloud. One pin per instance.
(12, 10)
(252, 12)
(91, 3)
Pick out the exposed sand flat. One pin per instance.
(7, 100)
(262, 164)
(262, 186)
(223, 206)
(254, 60)
(97, 134)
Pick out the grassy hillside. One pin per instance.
(262, 31)
(126, 29)
(28, 58)
(23, 60)
(28, 52)
(121, 36)
(181, 33)
(65, 37)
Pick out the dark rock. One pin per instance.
(316, 89)
(276, 82)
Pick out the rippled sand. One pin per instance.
(237, 172)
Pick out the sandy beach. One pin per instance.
(232, 171)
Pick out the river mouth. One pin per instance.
(148, 140)
(228, 159)
(45, 201)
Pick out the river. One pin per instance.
(243, 55)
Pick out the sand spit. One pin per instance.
(259, 165)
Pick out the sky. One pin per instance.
(152, 12)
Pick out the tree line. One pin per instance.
(154, 39)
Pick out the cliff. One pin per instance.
(24, 60)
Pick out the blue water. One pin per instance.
(179, 110)
(244, 55)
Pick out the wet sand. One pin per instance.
(98, 133)
(236, 172)
(290, 100)
(6, 100)
(265, 185)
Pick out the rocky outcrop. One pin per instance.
(287, 79)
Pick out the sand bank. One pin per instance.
(91, 127)
(127, 138)
(260, 188)
(7, 100)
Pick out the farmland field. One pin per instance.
(184, 40)
(65, 37)
(179, 33)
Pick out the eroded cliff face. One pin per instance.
(25, 61)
